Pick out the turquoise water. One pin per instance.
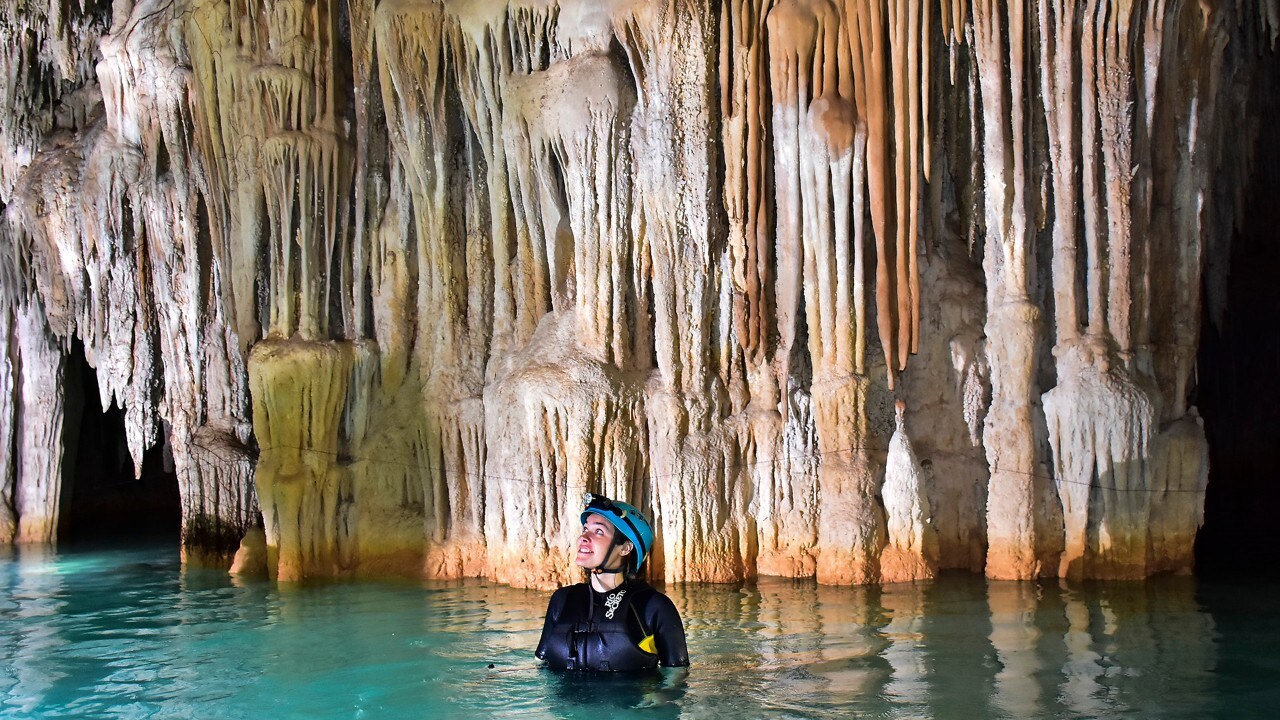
(128, 634)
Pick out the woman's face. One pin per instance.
(594, 543)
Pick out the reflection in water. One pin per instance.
(130, 635)
(960, 658)
(1016, 640)
(959, 647)
(32, 586)
(1081, 689)
(905, 605)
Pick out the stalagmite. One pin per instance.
(1179, 477)
(912, 551)
(860, 290)
(301, 389)
(1100, 428)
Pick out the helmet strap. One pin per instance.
(601, 569)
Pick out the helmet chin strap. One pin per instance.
(601, 569)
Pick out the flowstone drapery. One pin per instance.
(853, 289)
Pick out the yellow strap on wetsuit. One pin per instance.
(648, 645)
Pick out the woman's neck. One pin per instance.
(605, 582)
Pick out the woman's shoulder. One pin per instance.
(562, 594)
(660, 614)
(568, 589)
(649, 595)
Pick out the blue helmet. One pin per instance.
(628, 519)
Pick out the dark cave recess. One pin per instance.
(1239, 370)
(102, 502)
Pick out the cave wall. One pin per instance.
(859, 289)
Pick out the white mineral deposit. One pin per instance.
(860, 290)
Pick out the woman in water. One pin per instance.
(614, 622)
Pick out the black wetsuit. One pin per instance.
(589, 630)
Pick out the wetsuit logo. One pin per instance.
(611, 602)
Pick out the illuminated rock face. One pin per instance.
(860, 289)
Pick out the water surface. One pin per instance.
(129, 634)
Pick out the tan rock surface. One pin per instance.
(399, 281)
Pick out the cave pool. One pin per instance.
(127, 633)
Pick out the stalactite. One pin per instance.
(1269, 12)
(1056, 29)
(891, 51)
(1185, 113)
(370, 177)
(1149, 71)
(272, 133)
(743, 107)
(1113, 75)
(48, 78)
(44, 205)
(904, 52)
(84, 252)
(303, 164)
(796, 35)
(867, 29)
(482, 71)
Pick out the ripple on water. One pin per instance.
(133, 636)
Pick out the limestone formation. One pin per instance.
(854, 289)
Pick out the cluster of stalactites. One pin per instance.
(110, 220)
(48, 50)
(1124, 123)
(533, 148)
(47, 85)
(77, 212)
(273, 131)
(849, 89)
(520, 204)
